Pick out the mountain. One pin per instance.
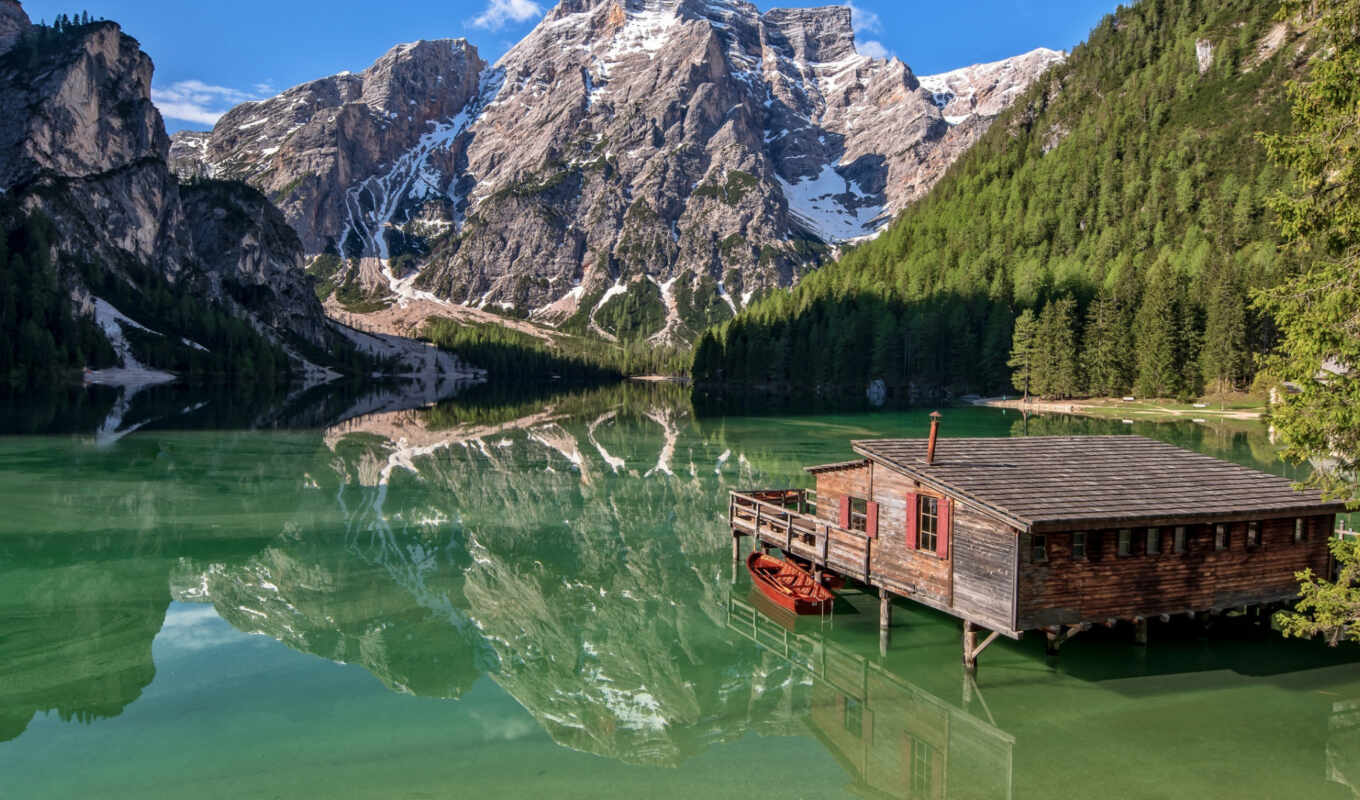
(1115, 214)
(102, 236)
(107, 260)
(635, 169)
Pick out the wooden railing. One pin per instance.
(779, 517)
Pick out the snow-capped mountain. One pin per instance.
(633, 167)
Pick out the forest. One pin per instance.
(1104, 237)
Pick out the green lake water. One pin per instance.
(487, 600)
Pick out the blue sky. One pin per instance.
(210, 56)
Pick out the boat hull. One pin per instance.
(787, 586)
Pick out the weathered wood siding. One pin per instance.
(833, 485)
(977, 577)
(984, 555)
(1065, 590)
(916, 574)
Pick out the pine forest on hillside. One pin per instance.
(1104, 237)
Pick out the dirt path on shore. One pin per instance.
(1094, 409)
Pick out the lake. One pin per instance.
(496, 597)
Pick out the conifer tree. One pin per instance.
(1024, 351)
(1318, 310)
(1224, 359)
(1058, 342)
(1105, 355)
(1156, 338)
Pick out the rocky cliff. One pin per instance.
(632, 167)
(82, 144)
(13, 24)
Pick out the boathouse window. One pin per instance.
(1253, 534)
(1154, 541)
(922, 767)
(859, 514)
(1180, 543)
(1079, 546)
(1125, 542)
(1038, 548)
(1221, 537)
(928, 523)
(853, 717)
(1300, 533)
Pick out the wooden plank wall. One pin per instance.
(1067, 591)
(976, 579)
(984, 553)
(833, 485)
(916, 573)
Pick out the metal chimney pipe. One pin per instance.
(935, 417)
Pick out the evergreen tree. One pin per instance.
(1224, 359)
(1318, 309)
(1057, 344)
(1024, 351)
(1155, 336)
(1106, 352)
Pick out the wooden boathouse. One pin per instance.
(1051, 534)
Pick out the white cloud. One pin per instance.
(192, 627)
(864, 21)
(499, 13)
(202, 103)
(873, 49)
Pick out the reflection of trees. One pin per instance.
(87, 547)
(75, 636)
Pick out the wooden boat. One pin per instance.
(830, 580)
(787, 585)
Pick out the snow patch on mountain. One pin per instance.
(819, 202)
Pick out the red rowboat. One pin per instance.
(787, 585)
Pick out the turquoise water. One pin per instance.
(479, 600)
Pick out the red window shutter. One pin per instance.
(871, 521)
(946, 527)
(913, 510)
(845, 511)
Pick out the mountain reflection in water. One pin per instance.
(572, 549)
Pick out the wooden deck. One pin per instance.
(780, 518)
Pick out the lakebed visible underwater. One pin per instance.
(495, 598)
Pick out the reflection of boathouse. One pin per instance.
(896, 739)
(1048, 533)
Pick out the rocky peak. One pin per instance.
(673, 156)
(81, 141)
(87, 111)
(14, 23)
(987, 89)
(311, 147)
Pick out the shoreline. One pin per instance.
(1113, 407)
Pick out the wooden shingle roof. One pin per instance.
(1064, 482)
